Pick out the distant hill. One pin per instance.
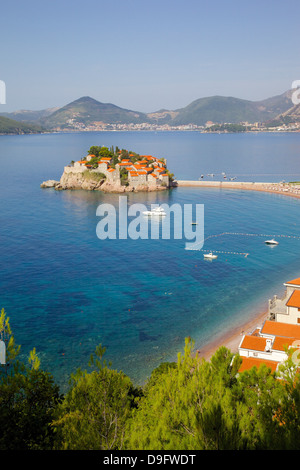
(218, 109)
(29, 116)
(10, 126)
(293, 112)
(87, 110)
(287, 117)
(221, 109)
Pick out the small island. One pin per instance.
(114, 170)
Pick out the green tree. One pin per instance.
(12, 350)
(188, 407)
(94, 162)
(124, 177)
(95, 409)
(28, 398)
(94, 150)
(260, 395)
(105, 153)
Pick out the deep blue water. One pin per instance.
(66, 291)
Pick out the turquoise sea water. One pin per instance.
(66, 291)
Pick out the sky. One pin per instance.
(146, 55)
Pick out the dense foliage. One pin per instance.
(190, 404)
(227, 128)
(28, 399)
(10, 126)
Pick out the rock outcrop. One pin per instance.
(49, 184)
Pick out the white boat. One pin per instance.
(271, 242)
(210, 256)
(157, 211)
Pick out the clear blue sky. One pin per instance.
(146, 55)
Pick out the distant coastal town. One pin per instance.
(209, 127)
(215, 114)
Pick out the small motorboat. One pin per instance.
(194, 223)
(210, 256)
(271, 242)
(156, 211)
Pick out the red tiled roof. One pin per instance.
(256, 343)
(139, 167)
(276, 328)
(280, 343)
(249, 362)
(294, 300)
(295, 282)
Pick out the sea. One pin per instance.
(66, 291)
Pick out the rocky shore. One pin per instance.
(92, 181)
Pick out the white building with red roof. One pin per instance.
(140, 171)
(272, 342)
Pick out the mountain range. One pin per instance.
(87, 111)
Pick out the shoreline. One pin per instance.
(232, 338)
(286, 189)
